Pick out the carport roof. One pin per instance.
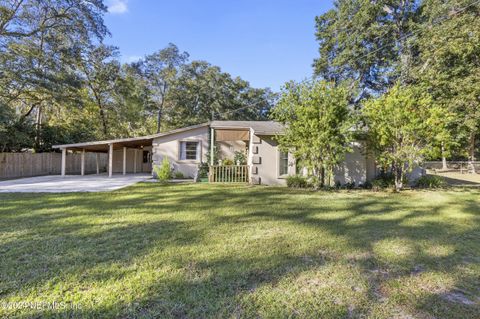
(102, 146)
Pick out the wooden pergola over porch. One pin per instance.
(228, 173)
(108, 147)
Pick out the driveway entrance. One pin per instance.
(71, 183)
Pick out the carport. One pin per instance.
(108, 146)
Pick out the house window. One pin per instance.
(146, 157)
(282, 164)
(189, 150)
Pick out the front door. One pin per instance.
(147, 162)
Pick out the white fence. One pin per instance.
(15, 165)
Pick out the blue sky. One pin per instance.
(266, 42)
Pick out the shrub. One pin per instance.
(179, 175)
(338, 185)
(203, 170)
(227, 162)
(430, 181)
(350, 185)
(163, 172)
(366, 185)
(382, 181)
(240, 158)
(297, 181)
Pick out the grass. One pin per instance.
(199, 250)
(455, 178)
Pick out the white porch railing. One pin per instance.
(228, 174)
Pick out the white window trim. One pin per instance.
(278, 165)
(199, 155)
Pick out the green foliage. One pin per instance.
(202, 90)
(54, 68)
(371, 45)
(431, 181)
(448, 67)
(240, 158)
(400, 127)
(347, 185)
(41, 45)
(203, 169)
(383, 181)
(227, 162)
(179, 175)
(296, 181)
(164, 171)
(159, 71)
(364, 42)
(319, 125)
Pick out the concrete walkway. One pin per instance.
(71, 183)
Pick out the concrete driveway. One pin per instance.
(71, 183)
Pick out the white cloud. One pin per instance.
(117, 6)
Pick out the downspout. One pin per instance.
(212, 145)
(250, 156)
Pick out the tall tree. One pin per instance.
(38, 44)
(160, 70)
(365, 41)
(319, 125)
(101, 72)
(401, 125)
(203, 92)
(448, 66)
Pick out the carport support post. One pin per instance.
(82, 167)
(64, 160)
(110, 159)
(124, 160)
(96, 162)
(135, 162)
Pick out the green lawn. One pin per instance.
(195, 251)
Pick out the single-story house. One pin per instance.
(188, 147)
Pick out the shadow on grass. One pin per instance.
(213, 286)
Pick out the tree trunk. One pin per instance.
(322, 176)
(471, 165)
(38, 128)
(444, 159)
(104, 121)
(317, 173)
(159, 119)
(398, 173)
(160, 109)
(101, 111)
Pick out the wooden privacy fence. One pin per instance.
(15, 165)
(228, 174)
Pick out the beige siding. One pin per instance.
(354, 168)
(169, 146)
(266, 161)
(371, 167)
(118, 160)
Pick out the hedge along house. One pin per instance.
(244, 151)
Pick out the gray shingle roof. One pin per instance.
(260, 127)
